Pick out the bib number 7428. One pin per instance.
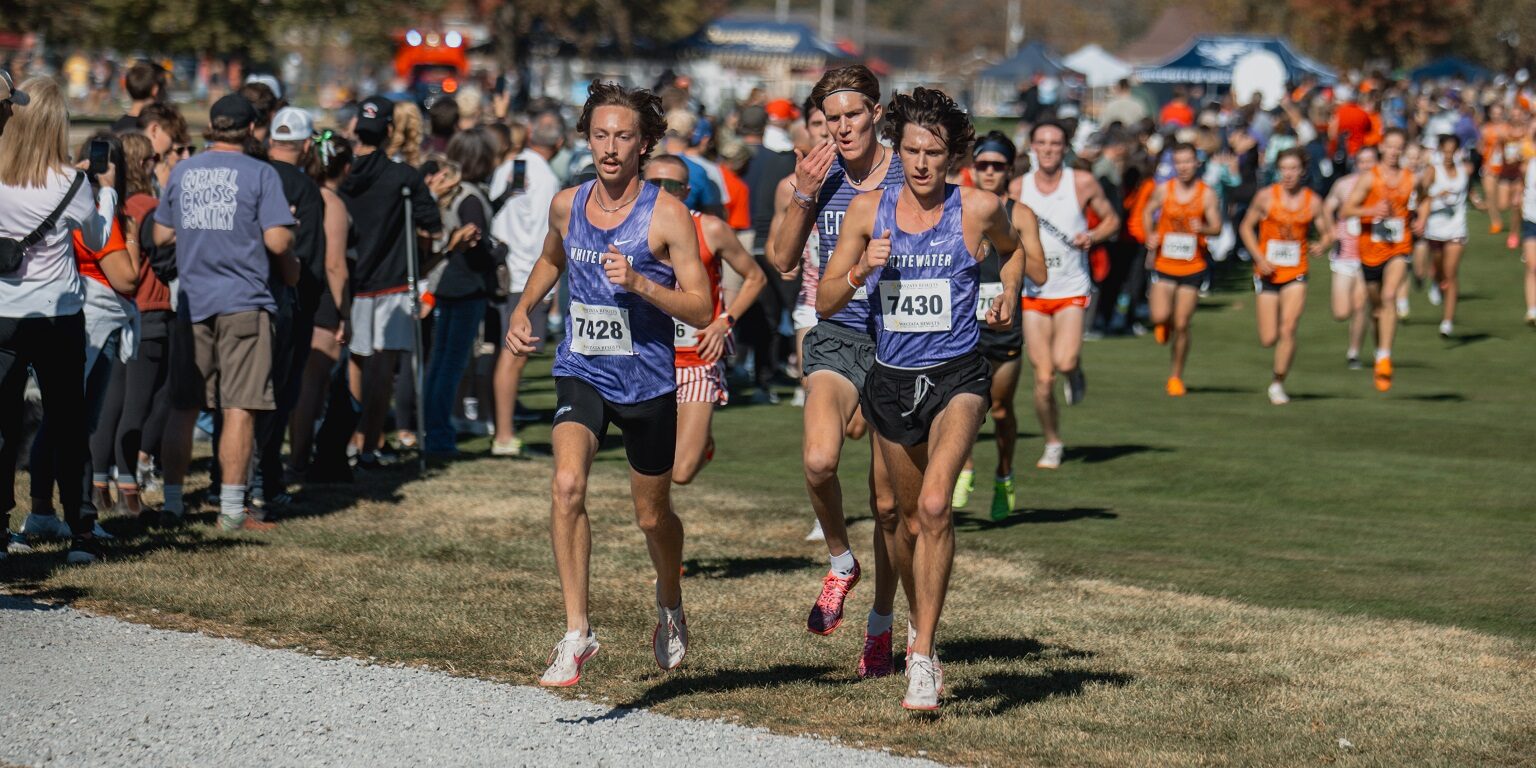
(600, 330)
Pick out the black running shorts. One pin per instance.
(649, 426)
(902, 404)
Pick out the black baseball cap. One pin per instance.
(9, 93)
(236, 109)
(374, 116)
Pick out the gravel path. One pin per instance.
(85, 690)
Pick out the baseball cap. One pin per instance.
(9, 93)
(292, 124)
(234, 108)
(374, 116)
(269, 81)
(782, 109)
(752, 121)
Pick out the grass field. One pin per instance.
(1211, 580)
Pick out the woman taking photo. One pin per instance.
(43, 200)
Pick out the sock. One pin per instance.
(1382, 354)
(1352, 352)
(173, 499)
(879, 625)
(574, 634)
(232, 501)
(843, 564)
(1000, 479)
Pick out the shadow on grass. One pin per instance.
(27, 572)
(1220, 390)
(973, 649)
(725, 680)
(742, 567)
(1305, 396)
(1438, 397)
(1097, 454)
(966, 521)
(1463, 339)
(998, 694)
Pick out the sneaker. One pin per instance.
(1530, 316)
(799, 399)
(1075, 386)
(1402, 307)
(827, 614)
(1353, 363)
(1434, 294)
(566, 660)
(1446, 328)
(100, 532)
(906, 657)
(45, 527)
(876, 660)
(964, 484)
(245, 522)
(925, 683)
(512, 447)
(1175, 387)
(764, 396)
(670, 639)
(1160, 332)
(18, 544)
(83, 550)
(406, 439)
(816, 533)
(1512, 242)
(1277, 394)
(1003, 497)
(1051, 459)
(1383, 374)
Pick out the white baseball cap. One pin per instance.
(292, 124)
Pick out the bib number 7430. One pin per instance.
(915, 306)
(600, 330)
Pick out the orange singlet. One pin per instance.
(1382, 240)
(1283, 235)
(1184, 253)
(685, 344)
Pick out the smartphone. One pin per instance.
(100, 149)
(519, 175)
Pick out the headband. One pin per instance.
(845, 90)
(993, 145)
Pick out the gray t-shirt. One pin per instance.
(220, 203)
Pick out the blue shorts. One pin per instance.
(1527, 229)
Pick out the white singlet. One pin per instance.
(1528, 199)
(1061, 219)
(1447, 205)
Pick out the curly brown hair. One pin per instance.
(931, 109)
(646, 105)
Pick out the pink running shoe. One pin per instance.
(827, 614)
(876, 661)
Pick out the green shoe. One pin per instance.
(964, 484)
(1002, 498)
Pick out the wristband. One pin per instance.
(801, 199)
(849, 278)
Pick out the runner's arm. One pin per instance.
(1149, 219)
(1005, 238)
(1212, 214)
(690, 301)
(791, 227)
(1421, 214)
(1248, 229)
(1354, 205)
(1324, 224)
(731, 252)
(844, 271)
(1088, 189)
(1028, 228)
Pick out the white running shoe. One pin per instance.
(1402, 306)
(1075, 386)
(816, 533)
(925, 683)
(513, 447)
(670, 640)
(1530, 316)
(1051, 459)
(1434, 294)
(1446, 328)
(566, 660)
(1277, 395)
(799, 401)
(45, 527)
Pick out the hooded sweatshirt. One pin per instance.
(372, 194)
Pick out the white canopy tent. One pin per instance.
(1099, 66)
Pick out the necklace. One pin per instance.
(867, 173)
(920, 212)
(621, 206)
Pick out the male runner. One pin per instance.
(1054, 308)
(1177, 254)
(840, 349)
(626, 246)
(1381, 200)
(914, 249)
(1275, 233)
(700, 373)
(992, 161)
(1347, 291)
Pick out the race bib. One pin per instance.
(1283, 253)
(684, 336)
(915, 306)
(1180, 246)
(862, 294)
(600, 330)
(1387, 230)
(1512, 151)
(1352, 226)
(985, 293)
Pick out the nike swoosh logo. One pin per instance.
(622, 243)
(936, 243)
(563, 410)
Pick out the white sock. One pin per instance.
(173, 499)
(916, 657)
(879, 625)
(843, 564)
(575, 634)
(1383, 354)
(1352, 352)
(232, 501)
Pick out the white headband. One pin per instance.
(844, 90)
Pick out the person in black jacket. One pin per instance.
(382, 314)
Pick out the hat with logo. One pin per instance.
(374, 116)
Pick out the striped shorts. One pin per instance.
(702, 384)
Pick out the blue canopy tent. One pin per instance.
(1034, 58)
(751, 38)
(1450, 67)
(1209, 58)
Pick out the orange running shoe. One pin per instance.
(1384, 374)
(1496, 227)
(1175, 387)
(1160, 332)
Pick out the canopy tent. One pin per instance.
(1099, 66)
(1208, 60)
(1450, 67)
(739, 39)
(1033, 59)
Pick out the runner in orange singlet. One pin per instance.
(1491, 144)
(1381, 200)
(1275, 232)
(1177, 255)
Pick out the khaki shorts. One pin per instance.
(223, 362)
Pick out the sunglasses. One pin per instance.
(670, 185)
(185, 150)
(992, 166)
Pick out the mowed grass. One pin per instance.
(1205, 581)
